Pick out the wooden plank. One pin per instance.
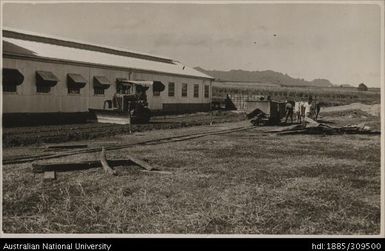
(73, 166)
(139, 162)
(104, 163)
(50, 175)
(64, 167)
(66, 146)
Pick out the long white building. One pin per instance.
(46, 75)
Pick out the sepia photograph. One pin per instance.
(223, 118)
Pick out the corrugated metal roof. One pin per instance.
(33, 36)
(38, 49)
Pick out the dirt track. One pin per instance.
(22, 136)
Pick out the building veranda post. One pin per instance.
(58, 80)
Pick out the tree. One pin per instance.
(362, 87)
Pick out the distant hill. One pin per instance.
(267, 76)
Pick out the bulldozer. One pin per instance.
(129, 103)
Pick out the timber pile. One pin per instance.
(50, 170)
(313, 127)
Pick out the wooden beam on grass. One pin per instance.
(139, 162)
(52, 147)
(64, 167)
(104, 163)
(155, 171)
(74, 166)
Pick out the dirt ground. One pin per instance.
(247, 182)
(373, 110)
(48, 134)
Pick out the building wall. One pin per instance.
(164, 101)
(27, 100)
(97, 101)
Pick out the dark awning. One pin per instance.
(75, 80)
(101, 82)
(123, 81)
(46, 78)
(12, 77)
(158, 86)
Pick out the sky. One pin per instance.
(339, 42)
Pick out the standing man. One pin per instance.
(297, 110)
(308, 108)
(317, 109)
(289, 111)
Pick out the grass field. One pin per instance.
(250, 182)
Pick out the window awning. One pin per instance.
(124, 82)
(12, 77)
(101, 82)
(157, 86)
(46, 78)
(75, 80)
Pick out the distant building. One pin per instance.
(46, 75)
(362, 87)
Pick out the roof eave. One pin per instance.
(55, 60)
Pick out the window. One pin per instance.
(75, 82)
(73, 90)
(98, 91)
(44, 81)
(184, 90)
(157, 87)
(123, 88)
(155, 93)
(171, 89)
(207, 91)
(100, 84)
(9, 88)
(11, 79)
(196, 91)
(43, 89)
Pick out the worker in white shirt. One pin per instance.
(308, 107)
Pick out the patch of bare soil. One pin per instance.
(373, 110)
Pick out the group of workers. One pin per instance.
(302, 110)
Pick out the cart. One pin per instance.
(265, 112)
